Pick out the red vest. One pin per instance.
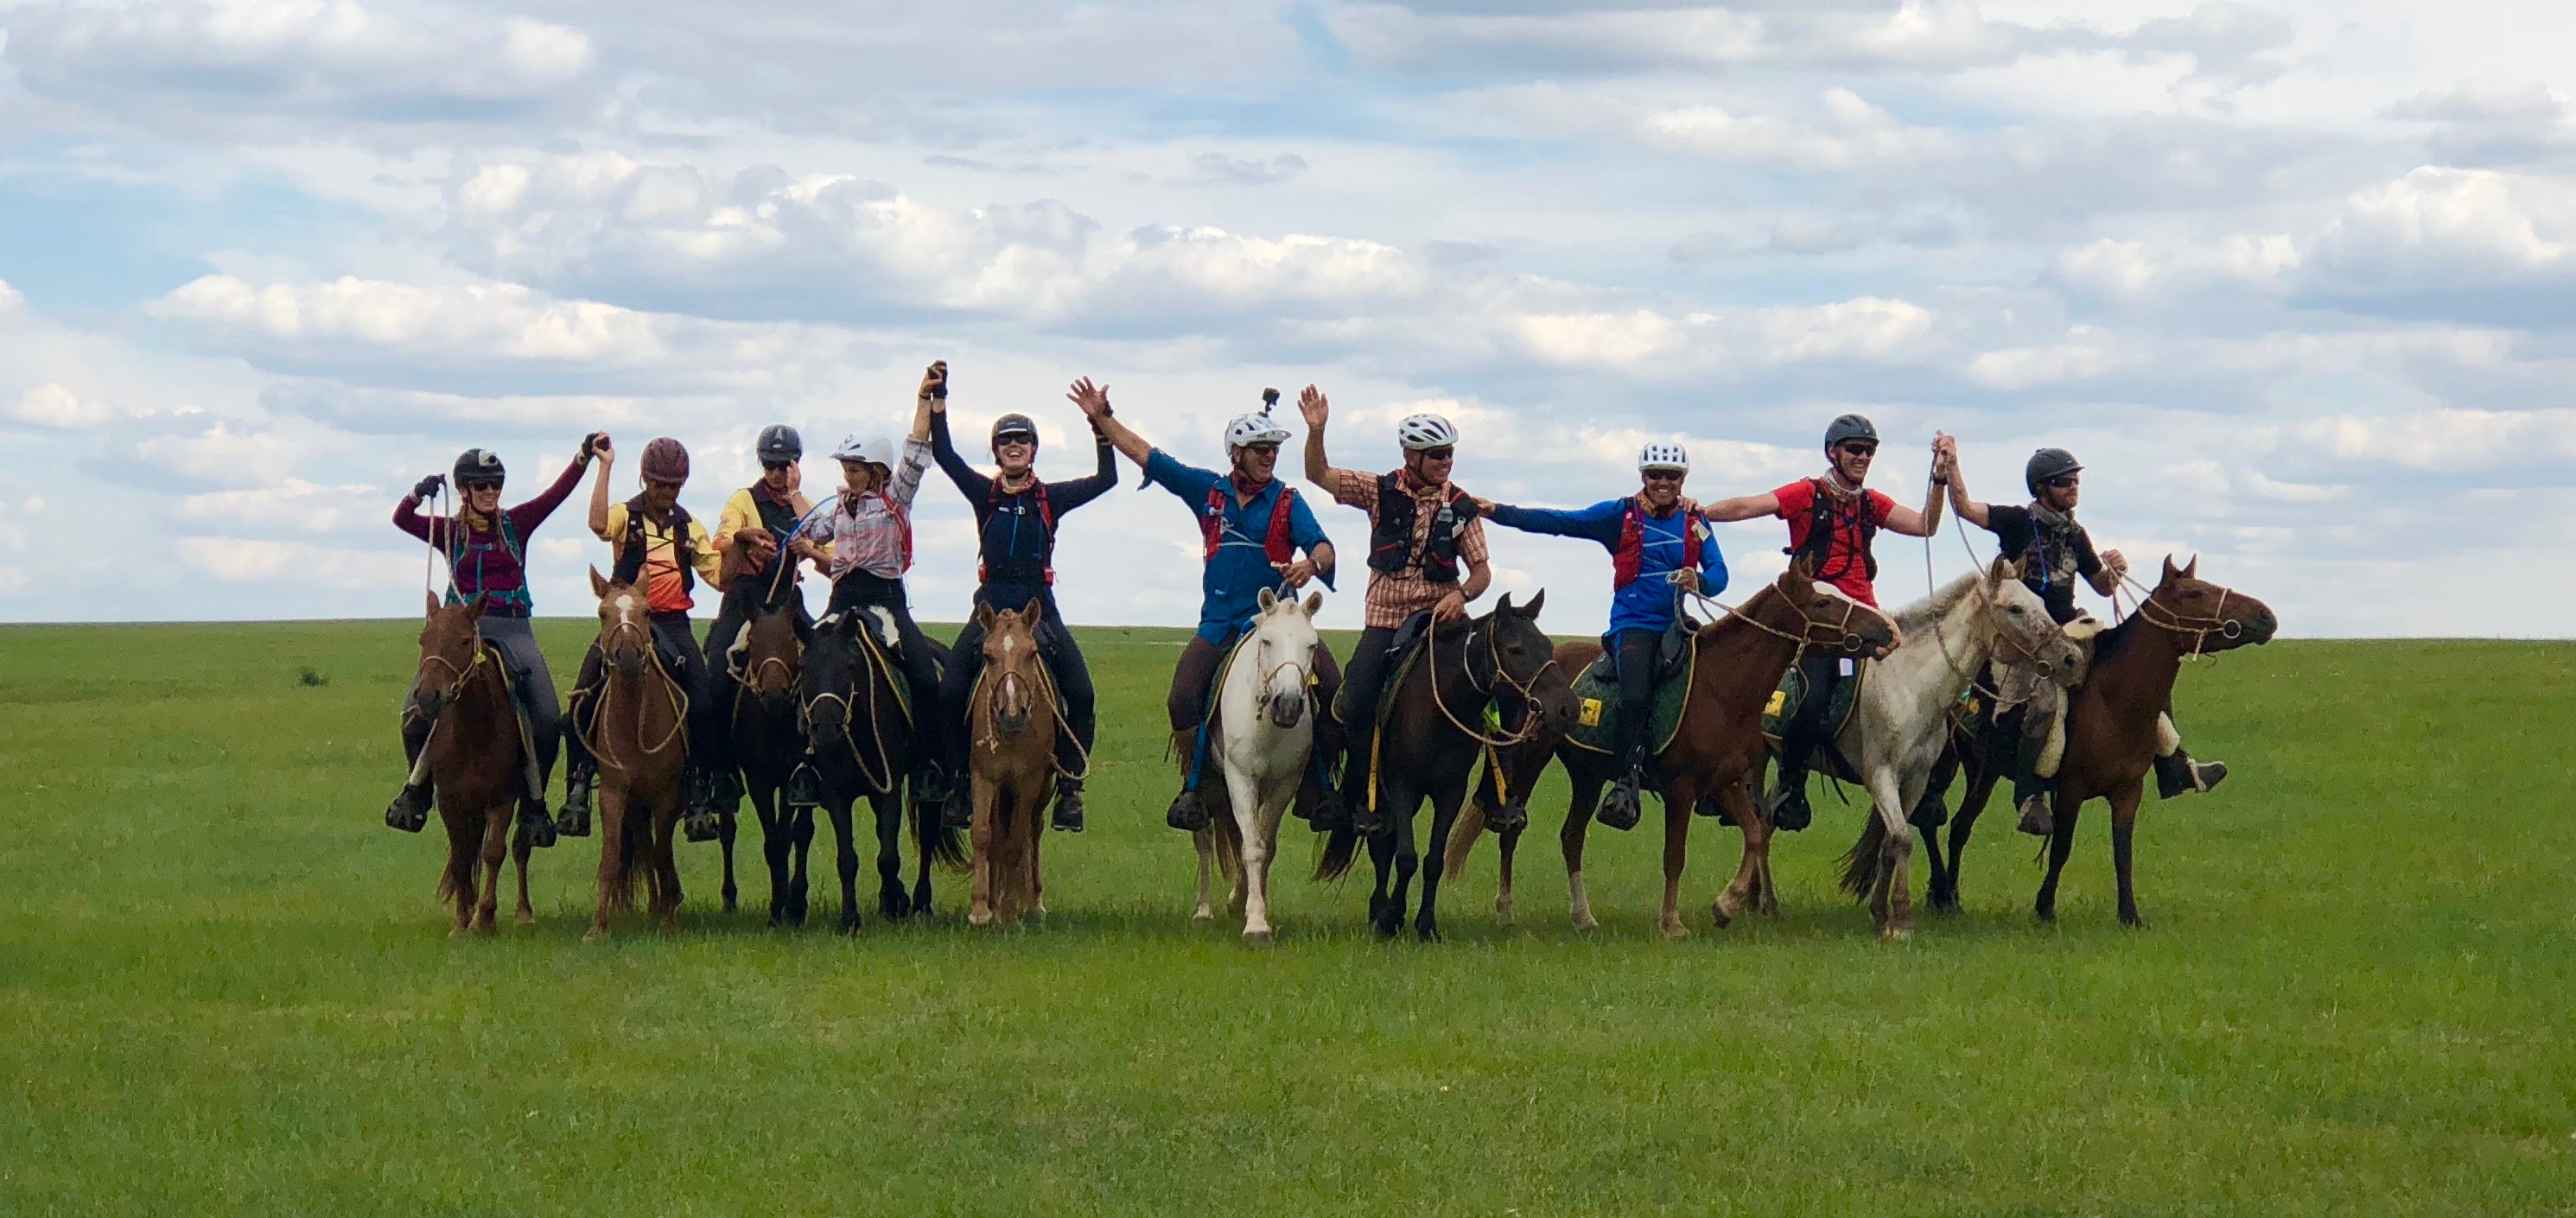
(1275, 543)
(1631, 553)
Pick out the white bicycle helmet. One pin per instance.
(875, 450)
(1420, 431)
(1660, 455)
(1257, 428)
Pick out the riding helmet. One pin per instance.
(1420, 431)
(875, 450)
(1254, 429)
(779, 442)
(2048, 463)
(1015, 425)
(666, 460)
(478, 465)
(1851, 427)
(1662, 455)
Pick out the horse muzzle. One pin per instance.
(1287, 710)
(429, 704)
(629, 662)
(1013, 721)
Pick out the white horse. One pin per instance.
(1266, 738)
(1902, 718)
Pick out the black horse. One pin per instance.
(1429, 740)
(865, 746)
(766, 741)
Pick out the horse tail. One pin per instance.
(1463, 835)
(627, 877)
(1862, 861)
(1341, 849)
(458, 876)
(932, 836)
(1229, 843)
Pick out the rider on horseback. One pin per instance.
(663, 549)
(1656, 545)
(1421, 528)
(487, 558)
(863, 544)
(1252, 524)
(1832, 521)
(748, 532)
(2054, 551)
(1015, 523)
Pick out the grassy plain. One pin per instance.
(225, 987)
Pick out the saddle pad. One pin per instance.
(1792, 694)
(1397, 669)
(1596, 719)
(1216, 682)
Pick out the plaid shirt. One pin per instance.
(1393, 598)
(872, 538)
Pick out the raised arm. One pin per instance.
(933, 396)
(1742, 507)
(1968, 509)
(1073, 494)
(1094, 403)
(1317, 409)
(970, 483)
(599, 486)
(1902, 519)
(1599, 522)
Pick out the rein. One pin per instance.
(608, 689)
(880, 777)
(2199, 628)
(1528, 729)
(1046, 684)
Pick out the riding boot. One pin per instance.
(2036, 819)
(536, 828)
(1187, 813)
(410, 808)
(804, 786)
(1621, 808)
(2178, 774)
(1068, 804)
(697, 799)
(726, 794)
(573, 820)
(1788, 802)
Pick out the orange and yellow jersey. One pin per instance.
(664, 591)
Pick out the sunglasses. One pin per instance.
(1266, 450)
(1862, 451)
(1442, 453)
(1016, 440)
(1663, 475)
(2061, 482)
(775, 466)
(479, 484)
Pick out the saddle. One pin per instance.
(878, 647)
(1404, 648)
(1596, 692)
(1791, 697)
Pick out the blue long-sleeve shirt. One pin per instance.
(1230, 589)
(1646, 603)
(1015, 545)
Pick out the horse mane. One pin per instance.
(1922, 615)
(2110, 643)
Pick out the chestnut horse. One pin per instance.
(478, 760)
(2114, 723)
(1428, 742)
(636, 733)
(1714, 752)
(1012, 721)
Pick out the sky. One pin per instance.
(2297, 281)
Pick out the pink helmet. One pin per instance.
(666, 460)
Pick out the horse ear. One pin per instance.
(984, 616)
(1269, 600)
(2172, 572)
(1537, 603)
(1029, 612)
(2192, 571)
(1504, 605)
(598, 586)
(432, 609)
(1804, 566)
(1314, 603)
(1998, 571)
(474, 608)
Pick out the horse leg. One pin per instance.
(527, 914)
(666, 868)
(2060, 844)
(1381, 846)
(611, 798)
(892, 903)
(1586, 796)
(1256, 814)
(456, 881)
(2124, 821)
(495, 852)
(1751, 884)
(925, 832)
(774, 833)
(979, 909)
(1205, 841)
(1677, 819)
(846, 862)
(800, 850)
(1035, 838)
(725, 828)
(1510, 840)
(1928, 811)
(1444, 814)
(1972, 804)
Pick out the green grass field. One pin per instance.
(225, 987)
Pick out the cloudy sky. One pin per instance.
(2297, 280)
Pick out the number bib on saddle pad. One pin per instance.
(1792, 694)
(1596, 715)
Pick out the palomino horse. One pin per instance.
(1715, 748)
(478, 760)
(1428, 742)
(1264, 748)
(2114, 721)
(864, 747)
(1012, 722)
(636, 733)
(1902, 718)
(768, 742)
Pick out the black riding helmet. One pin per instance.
(1850, 427)
(2048, 463)
(478, 465)
(1015, 425)
(779, 442)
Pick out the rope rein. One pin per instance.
(1431, 656)
(590, 738)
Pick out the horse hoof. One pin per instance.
(1259, 937)
(1676, 932)
(1717, 914)
(1583, 920)
(523, 918)
(1502, 913)
(1203, 916)
(1895, 934)
(979, 918)
(458, 932)
(594, 935)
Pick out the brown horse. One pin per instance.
(767, 741)
(1012, 721)
(636, 734)
(1715, 750)
(2114, 719)
(478, 760)
(1428, 742)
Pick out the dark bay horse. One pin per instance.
(1715, 751)
(1011, 722)
(768, 742)
(2114, 720)
(636, 734)
(1430, 737)
(478, 761)
(863, 747)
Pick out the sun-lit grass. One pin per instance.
(225, 987)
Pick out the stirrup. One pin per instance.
(535, 827)
(1187, 813)
(1510, 815)
(804, 786)
(958, 811)
(410, 809)
(1788, 807)
(1068, 806)
(573, 819)
(2035, 817)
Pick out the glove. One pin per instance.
(590, 444)
(428, 486)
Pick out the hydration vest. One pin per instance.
(1631, 554)
(1391, 547)
(1275, 542)
(780, 519)
(1045, 570)
(630, 553)
(515, 598)
(1822, 517)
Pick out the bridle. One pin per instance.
(464, 672)
(2199, 628)
(1490, 628)
(880, 776)
(1851, 642)
(607, 689)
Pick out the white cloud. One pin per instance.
(51, 405)
(2450, 440)
(250, 561)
